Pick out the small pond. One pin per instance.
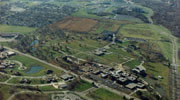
(35, 42)
(34, 69)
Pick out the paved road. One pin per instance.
(174, 71)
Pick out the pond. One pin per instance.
(34, 69)
(35, 42)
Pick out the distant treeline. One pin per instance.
(166, 13)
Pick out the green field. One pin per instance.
(132, 64)
(83, 13)
(158, 69)
(82, 86)
(18, 29)
(103, 94)
(29, 62)
(158, 35)
(144, 31)
(6, 91)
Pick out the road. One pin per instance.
(58, 67)
(175, 71)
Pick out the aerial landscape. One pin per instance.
(89, 49)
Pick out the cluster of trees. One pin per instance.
(36, 16)
(150, 53)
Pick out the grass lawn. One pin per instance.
(103, 94)
(19, 29)
(14, 80)
(83, 13)
(144, 31)
(132, 64)
(29, 62)
(82, 86)
(158, 69)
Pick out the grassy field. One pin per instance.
(103, 94)
(19, 29)
(83, 13)
(153, 33)
(82, 86)
(132, 64)
(6, 91)
(28, 62)
(144, 31)
(158, 69)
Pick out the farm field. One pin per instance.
(77, 24)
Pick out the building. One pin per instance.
(97, 72)
(122, 80)
(103, 75)
(2, 67)
(140, 70)
(131, 86)
(8, 35)
(1, 49)
(2, 57)
(67, 77)
(99, 53)
(10, 53)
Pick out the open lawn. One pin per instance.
(82, 86)
(83, 13)
(28, 62)
(132, 64)
(18, 29)
(103, 94)
(144, 31)
(153, 33)
(155, 70)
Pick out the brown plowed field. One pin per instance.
(77, 24)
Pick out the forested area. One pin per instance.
(166, 13)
